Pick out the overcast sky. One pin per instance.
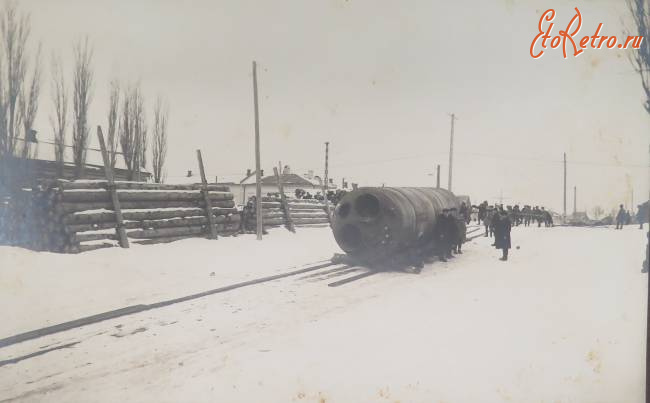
(377, 80)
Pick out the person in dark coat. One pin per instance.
(441, 236)
(647, 255)
(640, 217)
(620, 218)
(482, 211)
(503, 225)
(454, 230)
(462, 233)
(516, 214)
(463, 212)
(494, 224)
(487, 221)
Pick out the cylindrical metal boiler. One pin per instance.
(374, 223)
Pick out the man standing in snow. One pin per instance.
(487, 221)
(502, 227)
(464, 213)
(620, 217)
(454, 230)
(441, 236)
(461, 234)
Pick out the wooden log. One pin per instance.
(178, 231)
(88, 248)
(309, 214)
(322, 225)
(293, 200)
(294, 206)
(166, 239)
(100, 195)
(302, 221)
(169, 239)
(120, 185)
(277, 221)
(161, 223)
(67, 208)
(187, 222)
(81, 237)
(109, 216)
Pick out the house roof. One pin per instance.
(287, 180)
(290, 179)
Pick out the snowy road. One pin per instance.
(562, 321)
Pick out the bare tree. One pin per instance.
(133, 131)
(28, 104)
(15, 29)
(82, 94)
(113, 122)
(159, 147)
(59, 120)
(640, 10)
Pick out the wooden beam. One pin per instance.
(258, 172)
(283, 199)
(327, 202)
(206, 198)
(119, 227)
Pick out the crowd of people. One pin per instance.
(451, 230)
(518, 216)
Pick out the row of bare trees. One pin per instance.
(128, 133)
(20, 80)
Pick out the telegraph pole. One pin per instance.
(258, 173)
(564, 214)
(438, 176)
(451, 149)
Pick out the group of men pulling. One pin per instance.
(450, 233)
(451, 229)
(517, 216)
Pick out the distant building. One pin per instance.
(290, 181)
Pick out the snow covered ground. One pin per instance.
(562, 321)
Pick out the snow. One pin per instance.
(562, 321)
(51, 288)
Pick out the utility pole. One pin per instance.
(258, 174)
(564, 213)
(451, 149)
(438, 176)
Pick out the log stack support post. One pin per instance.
(110, 187)
(325, 185)
(206, 198)
(283, 199)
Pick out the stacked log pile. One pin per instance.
(72, 217)
(304, 213)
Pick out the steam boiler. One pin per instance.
(372, 224)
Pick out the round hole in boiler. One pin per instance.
(343, 210)
(367, 206)
(350, 237)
